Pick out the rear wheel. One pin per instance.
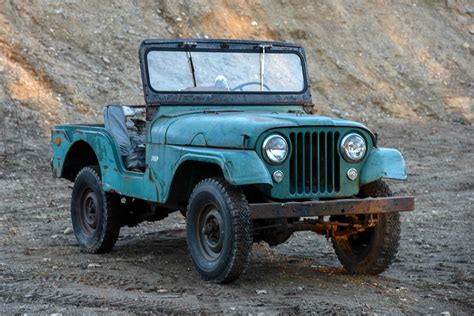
(373, 250)
(218, 230)
(94, 213)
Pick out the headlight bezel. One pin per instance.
(343, 148)
(264, 150)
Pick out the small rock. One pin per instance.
(178, 19)
(470, 11)
(93, 265)
(336, 111)
(55, 236)
(445, 313)
(466, 45)
(55, 267)
(106, 60)
(470, 29)
(254, 23)
(261, 291)
(450, 3)
(162, 291)
(68, 231)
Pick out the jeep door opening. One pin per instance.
(225, 138)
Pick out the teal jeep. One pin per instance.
(226, 138)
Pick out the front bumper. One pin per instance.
(332, 207)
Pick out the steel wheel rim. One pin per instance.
(89, 210)
(210, 232)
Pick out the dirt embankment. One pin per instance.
(405, 59)
(403, 68)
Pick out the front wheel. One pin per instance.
(373, 250)
(218, 230)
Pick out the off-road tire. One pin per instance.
(102, 238)
(228, 203)
(381, 241)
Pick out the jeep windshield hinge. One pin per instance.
(262, 64)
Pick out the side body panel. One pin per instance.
(115, 178)
(239, 167)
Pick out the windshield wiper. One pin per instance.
(262, 64)
(191, 66)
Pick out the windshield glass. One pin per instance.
(262, 71)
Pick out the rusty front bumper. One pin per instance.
(332, 207)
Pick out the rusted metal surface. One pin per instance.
(332, 207)
(334, 229)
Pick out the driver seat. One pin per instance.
(132, 149)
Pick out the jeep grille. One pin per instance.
(314, 163)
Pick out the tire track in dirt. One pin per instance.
(90, 296)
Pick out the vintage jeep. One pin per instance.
(227, 140)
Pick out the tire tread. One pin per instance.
(111, 207)
(384, 254)
(239, 209)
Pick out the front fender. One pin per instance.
(240, 167)
(383, 163)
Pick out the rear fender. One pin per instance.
(115, 177)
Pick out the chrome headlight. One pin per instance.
(275, 149)
(353, 147)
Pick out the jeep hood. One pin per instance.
(226, 129)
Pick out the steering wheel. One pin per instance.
(241, 86)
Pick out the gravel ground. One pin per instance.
(42, 269)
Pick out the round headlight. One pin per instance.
(353, 147)
(275, 149)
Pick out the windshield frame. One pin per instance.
(157, 97)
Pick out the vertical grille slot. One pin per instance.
(307, 163)
(337, 166)
(314, 163)
(322, 163)
(293, 165)
(330, 169)
(300, 164)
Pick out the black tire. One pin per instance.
(218, 230)
(94, 213)
(372, 251)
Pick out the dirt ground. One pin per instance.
(404, 68)
(149, 270)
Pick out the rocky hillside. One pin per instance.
(63, 61)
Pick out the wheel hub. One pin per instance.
(211, 233)
(89, 212)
